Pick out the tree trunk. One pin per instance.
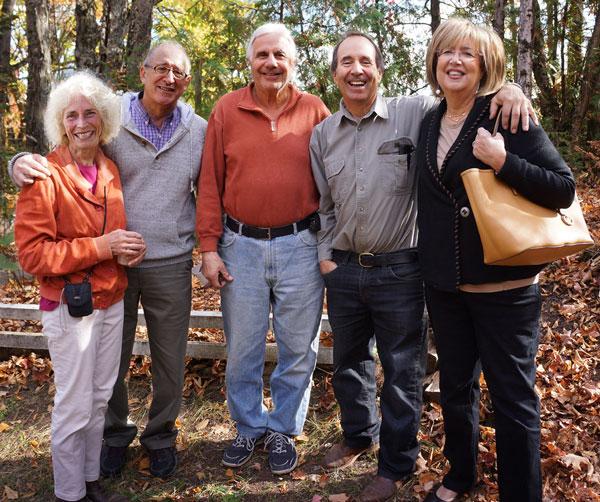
(87, 36)
(435, 15)
(5, 76)
(39, 76)
(198, 84)
(524, 54)
(498, 21)
(5, 73)
(138, 38)
(548, 98)
(112, 43)
(589, 80)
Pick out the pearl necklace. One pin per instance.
(455, 118)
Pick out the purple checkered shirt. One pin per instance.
(158, 138)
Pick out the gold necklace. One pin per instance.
(456, 118)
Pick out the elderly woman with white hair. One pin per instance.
(70, 233)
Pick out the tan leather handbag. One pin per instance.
(516, 231)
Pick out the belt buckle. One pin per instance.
(360, 259)
(269, 233)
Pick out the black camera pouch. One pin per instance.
(78, 296)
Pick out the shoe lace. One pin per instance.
(281, 440)
(243, 442)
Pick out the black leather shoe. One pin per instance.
(163, 462)
(112, 460)
(97, 493)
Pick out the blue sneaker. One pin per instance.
(239, 451)
(283, 457)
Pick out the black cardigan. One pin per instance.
(450, 249)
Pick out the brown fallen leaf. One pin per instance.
(202, 424)
(220, 430)
(10, 494)
(144, 464)
(323, 480)
(4, 427)
(577, 461)
(338, 497)
(298, 474)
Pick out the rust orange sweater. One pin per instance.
(256, 170)
(58, 225)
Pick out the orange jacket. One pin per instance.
(58, 225)
(255, 169)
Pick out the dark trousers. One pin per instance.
(499, 333)
(165, 293)
(383, 305)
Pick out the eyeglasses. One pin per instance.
(463, 55)
(162, 70)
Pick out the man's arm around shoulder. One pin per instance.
(24, 168)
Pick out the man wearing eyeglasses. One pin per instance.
(363, 163)
(158, 153)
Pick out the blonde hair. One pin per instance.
(485, 40)
(82, 83)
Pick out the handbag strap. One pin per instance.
(87, 277)
(497, 121)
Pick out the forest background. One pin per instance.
(552, 47)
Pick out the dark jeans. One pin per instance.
(386, 305)
(165, 293)
(499, 333)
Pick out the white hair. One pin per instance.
(268, 28)
(173, 45)
(86, 84)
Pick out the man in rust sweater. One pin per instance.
(256, 224)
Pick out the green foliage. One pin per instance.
(5, 262)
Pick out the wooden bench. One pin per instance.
(196, 349)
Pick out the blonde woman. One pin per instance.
(484, 317)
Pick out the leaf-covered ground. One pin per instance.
(568, 384)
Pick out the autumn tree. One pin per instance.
(87, 34)
(6, 17)
(524, 53)
(39, 74)
(499, 16)
(138, 35)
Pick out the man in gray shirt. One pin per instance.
(363, 163)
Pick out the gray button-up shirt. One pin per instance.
(366, 176)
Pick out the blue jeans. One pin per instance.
(386, 305)
(281, 275)
(496, 332)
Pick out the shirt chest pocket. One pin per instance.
(393, 166)
(338, 180)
